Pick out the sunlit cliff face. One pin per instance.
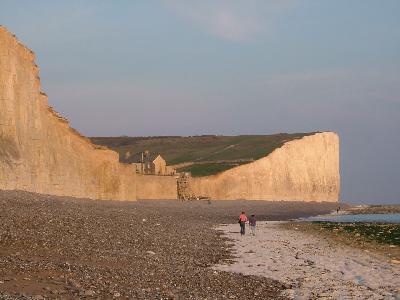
(39, 152)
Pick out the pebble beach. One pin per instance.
(67, 248)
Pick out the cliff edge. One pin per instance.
(39, 152)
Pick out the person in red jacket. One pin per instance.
(242, 222)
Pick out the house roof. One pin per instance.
(137, 157)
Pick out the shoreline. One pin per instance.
(310, 266)
(371, 237)
(375, 209)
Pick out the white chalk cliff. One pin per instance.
(306, 169)
(40, 152)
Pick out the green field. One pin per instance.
(210, 154)
(198, 170)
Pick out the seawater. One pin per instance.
(384, 218)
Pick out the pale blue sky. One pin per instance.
(228, 67)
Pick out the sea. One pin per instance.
(348, 218)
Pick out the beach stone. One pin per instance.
(89, 293)
(395, 261)
(116, 294)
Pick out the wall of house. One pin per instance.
(159, 166)
(39, 152)
(170, 170)
(306, 170)
(137, 167)
(151, 187)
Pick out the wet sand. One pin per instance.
(310, 265)
(61, 247)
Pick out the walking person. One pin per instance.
(252, 223)
(242, 222)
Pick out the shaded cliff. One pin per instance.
(39, 152)
(306, 170)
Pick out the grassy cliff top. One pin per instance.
(205, 154)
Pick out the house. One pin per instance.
(150, 164)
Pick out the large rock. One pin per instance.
(39, 152)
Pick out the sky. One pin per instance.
(181, 67)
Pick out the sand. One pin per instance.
(312, 267)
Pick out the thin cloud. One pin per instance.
(232, 20)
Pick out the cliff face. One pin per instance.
(153, 187)
(306, 170)
(39, 152)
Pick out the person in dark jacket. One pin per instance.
(252, 223)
